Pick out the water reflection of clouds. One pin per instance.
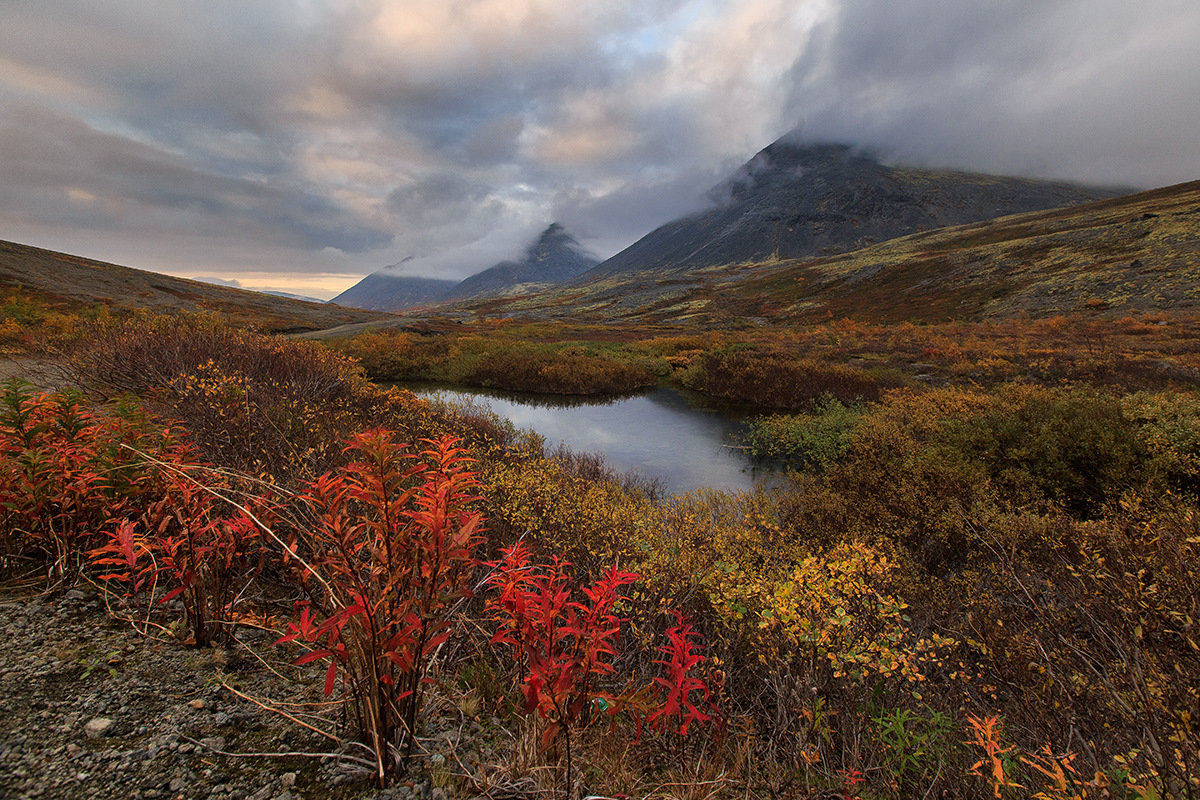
(659, 434)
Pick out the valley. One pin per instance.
(975, 577)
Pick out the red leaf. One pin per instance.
(330, 674)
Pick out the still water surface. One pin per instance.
(662, 434)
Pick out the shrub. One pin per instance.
(66, 471)
(1073, 447)
(564, 645)
(805, 441)
(777, 381)
(1168, 426)
(388, 554)
(265, 405)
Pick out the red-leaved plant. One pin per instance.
(66, 472)
(565, 646)
(389, 552)
(678, 709)
(183, 546)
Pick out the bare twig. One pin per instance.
(294, 719)
(337, 756)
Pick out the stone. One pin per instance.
(214, 742)
(98, 727)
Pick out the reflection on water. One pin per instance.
(660, 434)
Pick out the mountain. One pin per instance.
(71, 283)
(1138, 253)
(382, 291)
(796, 201)
(292, 296)
(553, 258)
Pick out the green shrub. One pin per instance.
(1074, 447)
(805, 441)
(1168, 426)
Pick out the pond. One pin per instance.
(682, 441)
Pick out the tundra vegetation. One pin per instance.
(979, 580)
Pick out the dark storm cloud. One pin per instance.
(1092, 90)
(296, 132)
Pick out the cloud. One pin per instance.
(60, 167)
(1092, 90)
(331, 138)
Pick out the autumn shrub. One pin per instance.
(200, 543)
(1074, 447)
(777, 381)
(32, 324)
(66, 470)
(553, 372)
(1168, 427)
(564, 638)
(386, 355)
(820, 642)
(588, 522)
(499, 361)
(388, 554)
(896, 483)
(264, 405)
(147, 352)
(1086, 639)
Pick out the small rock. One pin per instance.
(214, 742)
(288, 779)
(196, 704)
(98, 727)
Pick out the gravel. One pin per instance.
(91, 708)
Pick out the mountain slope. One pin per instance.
(72, 282)
(553, 258)
(382, 291)
(796, 201)
(1139, 252)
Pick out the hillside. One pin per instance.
(800, 201)
(70, 282)
(1136, 252)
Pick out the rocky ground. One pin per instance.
(91, 708)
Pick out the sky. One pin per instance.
(298, 145)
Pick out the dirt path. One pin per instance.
(40, 372)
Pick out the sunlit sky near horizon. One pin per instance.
(299, 145)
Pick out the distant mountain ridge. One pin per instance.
(383, 291)
(555, 256)
(797, 201)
